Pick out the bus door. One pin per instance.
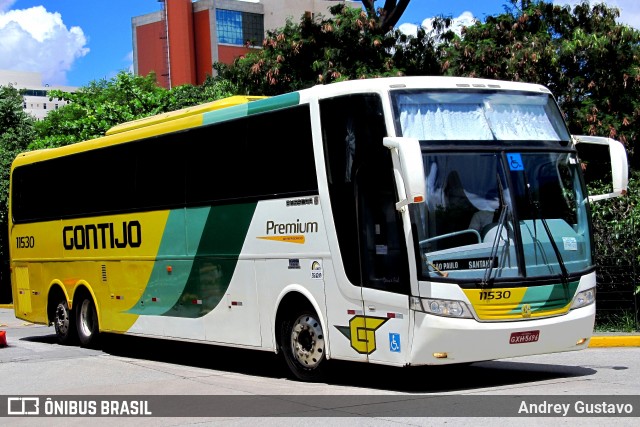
(369, 231)
(384, 262)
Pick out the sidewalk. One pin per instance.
(599, 339)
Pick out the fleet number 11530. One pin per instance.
(25, 242)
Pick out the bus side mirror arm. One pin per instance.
(408, 169)
(619, 164)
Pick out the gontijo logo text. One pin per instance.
(102, 236)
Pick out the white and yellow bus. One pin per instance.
(399, 221)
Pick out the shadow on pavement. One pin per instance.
(425, 379)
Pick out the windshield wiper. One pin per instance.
(563, 268)
(504, 209)
(537, 215)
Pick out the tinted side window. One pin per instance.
(262, 156)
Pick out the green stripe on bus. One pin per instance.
(220, 245)
(165, 287)
(549, 297)
(253, 107)
(193, 285)
(224, 114)
(274, 103)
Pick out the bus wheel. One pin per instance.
(64, 323)
(87, 321)
(303, 345)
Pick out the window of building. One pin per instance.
(237, 28)
(229, 24)
(35, 92)
(253, 28)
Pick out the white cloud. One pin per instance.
(37, 40)
(464, 20)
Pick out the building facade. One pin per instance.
(180, 42)
(35, 95)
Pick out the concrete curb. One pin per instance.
(615, 341)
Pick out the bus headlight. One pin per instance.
(584, 298)
(441, 307)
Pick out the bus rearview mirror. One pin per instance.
(410, 168)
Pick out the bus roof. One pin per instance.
(242, 105)
(185, 112)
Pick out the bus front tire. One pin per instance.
(303, 345)
(64, 323)
(87, 321)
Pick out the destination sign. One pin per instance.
(465, 263)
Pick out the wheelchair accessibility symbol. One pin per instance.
(394, 342)
(515, 162)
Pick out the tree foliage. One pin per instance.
(93, 109)
(588, 60)
(16, 133)
(388, 15)
(616, 221)
(317, 50)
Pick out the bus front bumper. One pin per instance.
(442, 340)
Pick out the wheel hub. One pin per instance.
(62, 318)
(307, 341)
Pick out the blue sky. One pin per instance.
(73, 42)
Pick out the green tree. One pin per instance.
(189, 95)
(420, 55)
(615, 222)
(587, 59)
(318, 50)
(388, 15)
(94, 109)
(16, 133)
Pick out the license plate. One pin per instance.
(524, 337)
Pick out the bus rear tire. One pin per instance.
(87, 322)
(64, 323)
(303, 345)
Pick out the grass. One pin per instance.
(617, 321)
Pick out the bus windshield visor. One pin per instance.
(478, 116)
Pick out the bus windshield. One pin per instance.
(511, 204)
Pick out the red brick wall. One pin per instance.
(202, 36)
(151, 56)
(226, 54)
(181, 44)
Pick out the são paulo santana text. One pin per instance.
(92, 407)
(579, 408)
